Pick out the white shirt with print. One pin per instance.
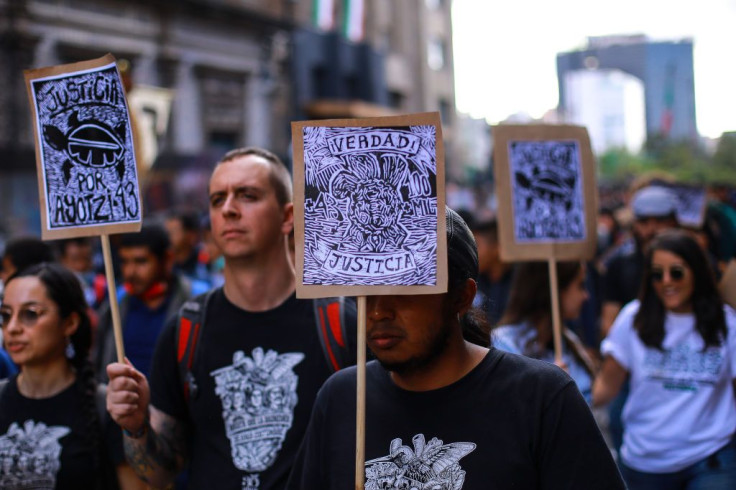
(681, 405)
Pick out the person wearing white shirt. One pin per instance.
(678, 343)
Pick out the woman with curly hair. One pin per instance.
(678, 344)
(54, 431)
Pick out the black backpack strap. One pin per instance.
(334, 317)
(188, 332)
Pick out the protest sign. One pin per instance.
(369, 209)
(85, 158)
(87, 179)
(691, 205)
(369, 206)
(547, 199)
(547, 196)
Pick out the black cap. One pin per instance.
(462, 252)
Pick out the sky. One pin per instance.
(505, 50)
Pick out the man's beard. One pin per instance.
(436, 347)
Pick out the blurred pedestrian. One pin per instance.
(54, 431)
(150, 295)
(494, 275)
(190, 257)
(77, 255)
(678, 344)
(23, 252)
(526, 325)
(654, 209)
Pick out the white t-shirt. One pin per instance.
(681, 405)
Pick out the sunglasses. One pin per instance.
(27, 316)
(676, 272)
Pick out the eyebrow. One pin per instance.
(247, 188)
(5, 306)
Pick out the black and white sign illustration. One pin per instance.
(691, 204)
(432, 465)
(547, 191)
(29, 455)
(258, 396)
(86, 149)
(370, 204)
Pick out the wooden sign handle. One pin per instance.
(556, 320)
(360, 398)
(113, 297)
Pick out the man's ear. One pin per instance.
(287, 224)
(466, 296)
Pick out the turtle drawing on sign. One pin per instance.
(547, 190)
(370, 205)
(87, 160)
(89, 143)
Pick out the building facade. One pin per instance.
(664, 67)
(210, 75)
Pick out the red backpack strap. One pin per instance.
(334, 318)
(188, 332)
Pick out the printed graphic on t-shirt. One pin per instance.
(258, 396)
(684, 367)
(432, 465)
(29, 455)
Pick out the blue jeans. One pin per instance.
(716, 472)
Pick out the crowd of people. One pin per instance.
(230, 380)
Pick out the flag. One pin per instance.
(354, 20)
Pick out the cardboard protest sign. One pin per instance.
(691, 205)
(87, 179)
(546, 189)
(369, 206)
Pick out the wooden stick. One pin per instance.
(556, 321)
(113, 297)
(360, 398)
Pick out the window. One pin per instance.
(436, 53)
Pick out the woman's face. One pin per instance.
(33, 332)
(673, 281)
(573, 297)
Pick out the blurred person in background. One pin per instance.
(677, 343)
(151, 294)
(494, 275)
(654, 209)
(526, 325)
(190, 257)
(77, 255)
(54, 430)
(23, 252)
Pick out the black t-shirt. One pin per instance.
(257, 375)
(43, 443)
(512, 422)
